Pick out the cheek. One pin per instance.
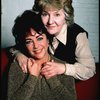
(44, 20)
(61, 21)
(45, 44)
(29, 48)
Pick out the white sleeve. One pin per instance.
(84, 68)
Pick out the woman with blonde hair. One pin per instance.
(70, 41)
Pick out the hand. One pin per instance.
(33, 67)
(51, 69)
(22, 60)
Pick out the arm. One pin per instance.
(20, 86)
(84, 68)
(20, 57)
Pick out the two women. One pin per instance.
(70, 41)
(33, 40)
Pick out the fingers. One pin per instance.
(24, 68)
(51, 69)
(48, 70)
(23, 65)
(22, 61)
(49, 63)
(30, 63)
(48, 74)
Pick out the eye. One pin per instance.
(39, 38)
(57, 14)
(44, 14)
(28, 42)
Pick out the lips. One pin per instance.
(50, 27)
(37, 51)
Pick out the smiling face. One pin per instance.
(53, 20)
(36, 44)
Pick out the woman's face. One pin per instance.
(36, 44)
(53, 20)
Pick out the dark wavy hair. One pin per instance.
(22, 24)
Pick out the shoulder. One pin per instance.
(76, 29)
(76, 26)
(15, 69)
(14, 65)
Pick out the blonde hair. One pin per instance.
(66, 5)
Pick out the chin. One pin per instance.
(52, 32)
(39, 57)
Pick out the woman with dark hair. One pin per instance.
(32, 39)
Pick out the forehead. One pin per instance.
(53, 11)
(34, 33)
(50, 8)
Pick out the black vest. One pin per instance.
(67, 52)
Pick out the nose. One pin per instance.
(51, 19)
(35, 45)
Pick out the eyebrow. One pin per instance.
(56, 11)
(39, 35)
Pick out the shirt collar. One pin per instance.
(62, 35)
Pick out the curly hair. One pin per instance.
(40, 5)
(22, 24)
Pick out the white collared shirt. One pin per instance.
(84, 68)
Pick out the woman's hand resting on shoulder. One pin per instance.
(22, 61)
